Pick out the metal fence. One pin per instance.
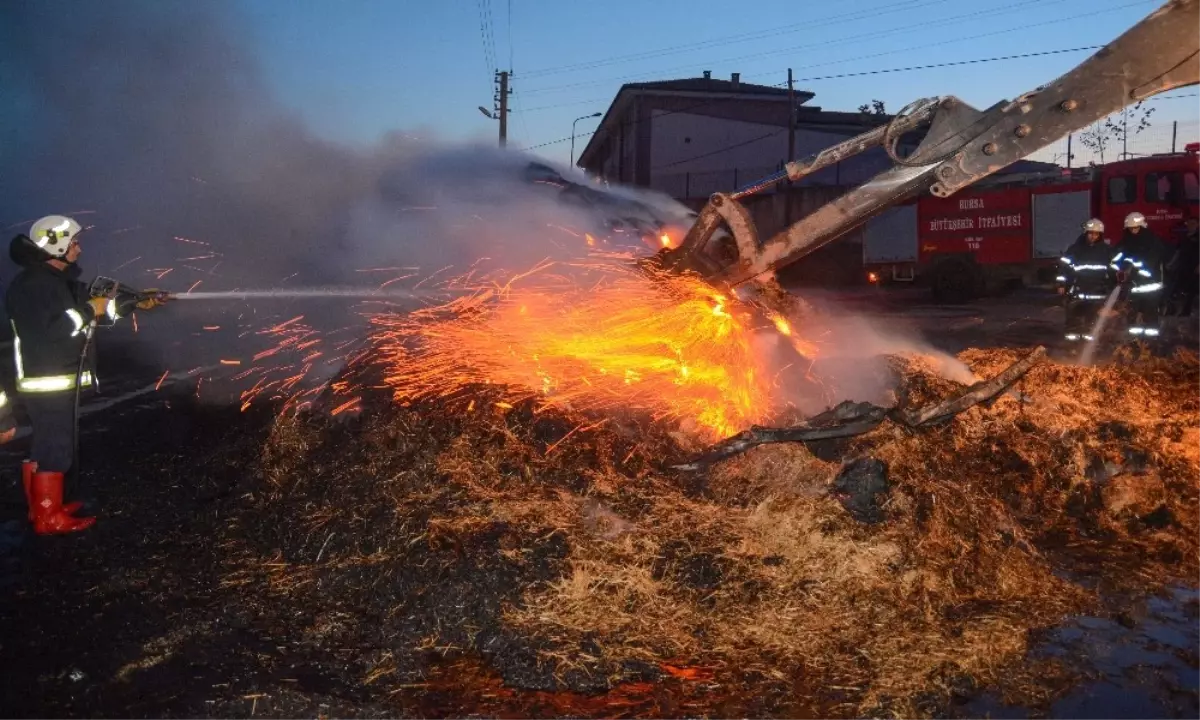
(1080, 150)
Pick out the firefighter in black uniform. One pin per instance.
(52, 315)
(1183, 272)
(1139, 262)
(1087, 279)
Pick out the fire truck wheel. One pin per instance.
(955, 281)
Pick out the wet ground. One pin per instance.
(1139, 663)
(138, 617)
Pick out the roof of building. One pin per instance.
(1032, 166)
(691, 86)
(713, 85)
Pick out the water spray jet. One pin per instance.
(1089, 350)
(306, 293)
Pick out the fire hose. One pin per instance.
(87, 341)
(107, 288)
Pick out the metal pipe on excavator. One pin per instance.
(961, 146)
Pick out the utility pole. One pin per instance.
(1125, 133)
(503, 109)
(791, 156)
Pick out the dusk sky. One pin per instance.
(355, 69)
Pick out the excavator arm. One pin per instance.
(961, 145)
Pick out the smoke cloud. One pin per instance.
(851, 363)
(150, 122)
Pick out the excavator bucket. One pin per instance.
(959, 146)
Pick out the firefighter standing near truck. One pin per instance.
(1183, 272)
(1139, 264)
(1087, 279)
(53, 315)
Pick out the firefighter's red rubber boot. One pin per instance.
(50, 518)
(28, 468)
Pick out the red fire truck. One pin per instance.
(1012, 231)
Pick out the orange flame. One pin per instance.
(668, 346)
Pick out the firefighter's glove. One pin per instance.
(99, 306)
(126, 302)
(151, 299)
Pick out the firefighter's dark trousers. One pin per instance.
(1081, 316)
(1143, 313)
(52, 416)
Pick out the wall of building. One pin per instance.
(696, 155)
(627, 147)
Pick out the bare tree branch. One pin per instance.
(849, 419)
(863, 423)
(974, 394)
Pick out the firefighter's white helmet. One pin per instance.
(1135, 219)
(1093, 225)
(54, 234)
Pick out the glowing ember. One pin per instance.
(665, 240)
(668, 346)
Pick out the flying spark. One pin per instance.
(600, 338)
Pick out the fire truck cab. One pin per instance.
(1011, 229)
(1162, 187)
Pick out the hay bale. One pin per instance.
(754, 569)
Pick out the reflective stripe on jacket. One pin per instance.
(1086, 269)
(1140, 256)
(50, 315)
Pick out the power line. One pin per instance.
(895, 70)
(711, 101)
(998, 32)
(878, 72)
(1172, 97)
(869, 72)
(776, 133)
(922, 46)
(874, 35)
(487, 37)
(950, 64)
(905, 5)
(521, 114)
(520, 106)
(491, 30)
(489, 66)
